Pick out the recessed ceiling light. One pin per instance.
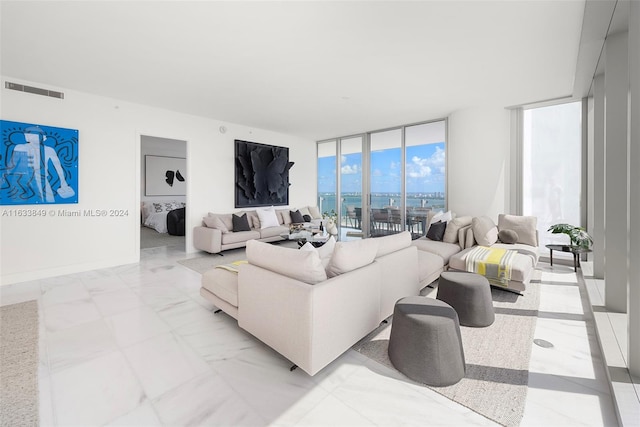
(223, 129)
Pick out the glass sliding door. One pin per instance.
(386, 184)
(327, 177)
(351, 188)
(552, 167)
(425, 173)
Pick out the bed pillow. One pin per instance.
(240, 223)
(268, 217)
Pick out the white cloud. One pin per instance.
(420, 168)
(349, 169)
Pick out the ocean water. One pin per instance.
(327, 201)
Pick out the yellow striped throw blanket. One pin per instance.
(493, 263)
(233, 267)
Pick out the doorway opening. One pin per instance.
(163, 195)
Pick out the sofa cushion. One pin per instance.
(507, 236)
(484, 231)
(304, 266)
(284, 216)
(267, 217)
(441, 249)
(239, 236)
(215, 222)
(392, 243)
(222, 283)
(240, 223)
(325, 251)
(525, 226)
(436, 231)
(296, 217)
(348, 256)
(304, 211)
(523, 263)
(225, 218)
(428, 264)
(315, 212)
(273, 231)
(453, 226)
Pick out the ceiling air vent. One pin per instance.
(36, 90)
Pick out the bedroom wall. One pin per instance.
(153, 146)
(479, 153)
(109, 179)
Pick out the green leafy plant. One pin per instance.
(578, 235)
(331, 215)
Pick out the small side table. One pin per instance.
(576, 251)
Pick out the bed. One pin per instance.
(154, 214)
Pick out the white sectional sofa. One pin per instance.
(311, 309)
(217, 234)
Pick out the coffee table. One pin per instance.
(303, 236)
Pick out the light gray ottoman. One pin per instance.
(425, 342)
(470, 295)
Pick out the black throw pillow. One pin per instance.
(240, 223)
(436, 231)
(296, 217)
(307, 218)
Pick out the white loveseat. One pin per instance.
(312, 310)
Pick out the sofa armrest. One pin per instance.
(207, 239)
(311, 325)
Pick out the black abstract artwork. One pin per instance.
(262, 174)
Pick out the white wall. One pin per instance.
(478, 153)
(109, 178)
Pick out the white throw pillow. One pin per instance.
(325, 251)
(304, 266)
(268, 217)
(305, 211)
(348, 256)
(440, 216)
(484, 230)
(315, 212)
(524, 226)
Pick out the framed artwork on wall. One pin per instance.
(262, 174)
(38, 164)
(165, 176)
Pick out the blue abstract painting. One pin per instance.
(38, 164)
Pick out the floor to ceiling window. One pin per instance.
(404, 178)
(552, 167)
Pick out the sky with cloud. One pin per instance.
(425, 170)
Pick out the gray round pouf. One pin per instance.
(425, 342)
(470, 295)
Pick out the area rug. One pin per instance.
(203, 263)
(497, 357)
(19, 364)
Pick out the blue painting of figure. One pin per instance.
(38, 164)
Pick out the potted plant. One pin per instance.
(330, 225)
(578, 235)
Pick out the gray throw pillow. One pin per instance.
(436, 231)
(240, 223)
(508, 236)
(296, 217)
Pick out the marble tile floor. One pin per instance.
(136, 345)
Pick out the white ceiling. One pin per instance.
(313, 69)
